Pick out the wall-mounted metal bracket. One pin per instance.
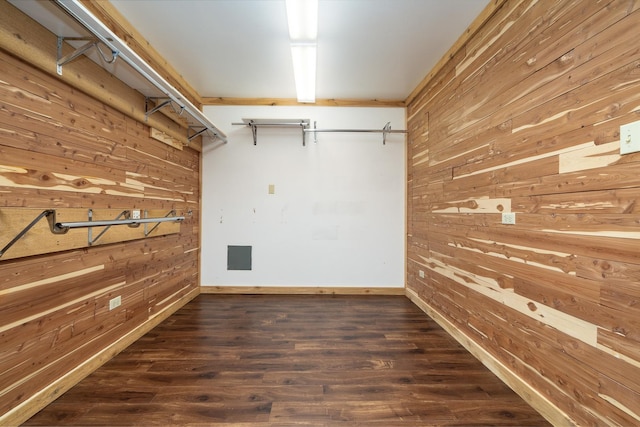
(147, 232)
(126, 214)
(386, 130)
(194, 131)
(158, 104)
(303, 124)
(49, 214)
(90, 43)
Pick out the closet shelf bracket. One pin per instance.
(158, 103)
(91, 42)
(303, 124)
(91, 240)
(49, 214)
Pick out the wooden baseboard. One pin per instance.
(35, 403)
(290, 290)
(540, 403)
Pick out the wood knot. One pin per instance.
(532, 306)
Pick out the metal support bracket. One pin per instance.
(90, 43)
(49, 214)
(303, 124)
(126, 214)
(147, 232)
(197, 130)
(160, 103)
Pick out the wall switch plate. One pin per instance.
(272, 189)
(135, 214)
(115, 302)
(508, 217)
(421, 274)
(630, 138)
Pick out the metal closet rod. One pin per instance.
(109, 222)
(384, 131)
(355, 130)
(63, 227)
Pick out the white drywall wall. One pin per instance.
(337, 216)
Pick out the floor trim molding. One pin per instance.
(298, 290)
(540, 403)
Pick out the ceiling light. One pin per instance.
(302, 16)
(304, 70)
(303, 19)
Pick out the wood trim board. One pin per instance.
(296, 290)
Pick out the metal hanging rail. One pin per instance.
(386, 130)
(121, 50)
(63, 227)
(277, 123)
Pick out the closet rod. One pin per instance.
(384, 131)
(356, 130)
(109, 222)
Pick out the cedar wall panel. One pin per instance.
(525, 118)
(62, 149)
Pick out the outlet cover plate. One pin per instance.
(630, 138)
(115, 302)
(509, 218)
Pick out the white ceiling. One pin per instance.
(367, 49)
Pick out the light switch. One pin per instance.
(272, 189)
(630, 138)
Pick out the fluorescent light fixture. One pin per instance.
(304, 71)
(303, 19)
(302, 16)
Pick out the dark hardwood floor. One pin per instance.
(293, 360)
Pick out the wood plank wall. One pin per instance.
(60, 148)
(525, 118)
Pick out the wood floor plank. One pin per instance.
(279, 360)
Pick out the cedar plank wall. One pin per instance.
(525, 118)
(56, 146)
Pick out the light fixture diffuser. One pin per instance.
(302, 16)
(304, 71)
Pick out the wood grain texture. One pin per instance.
(63, 149)
(525, 118)
(273, 360)
(24, 38)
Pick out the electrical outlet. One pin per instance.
(421, 274)
(115, 302)
(135, 214)
(509, 218)
(630, 138)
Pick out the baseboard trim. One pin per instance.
(38, 401)
(291, 290)
(540, 403)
